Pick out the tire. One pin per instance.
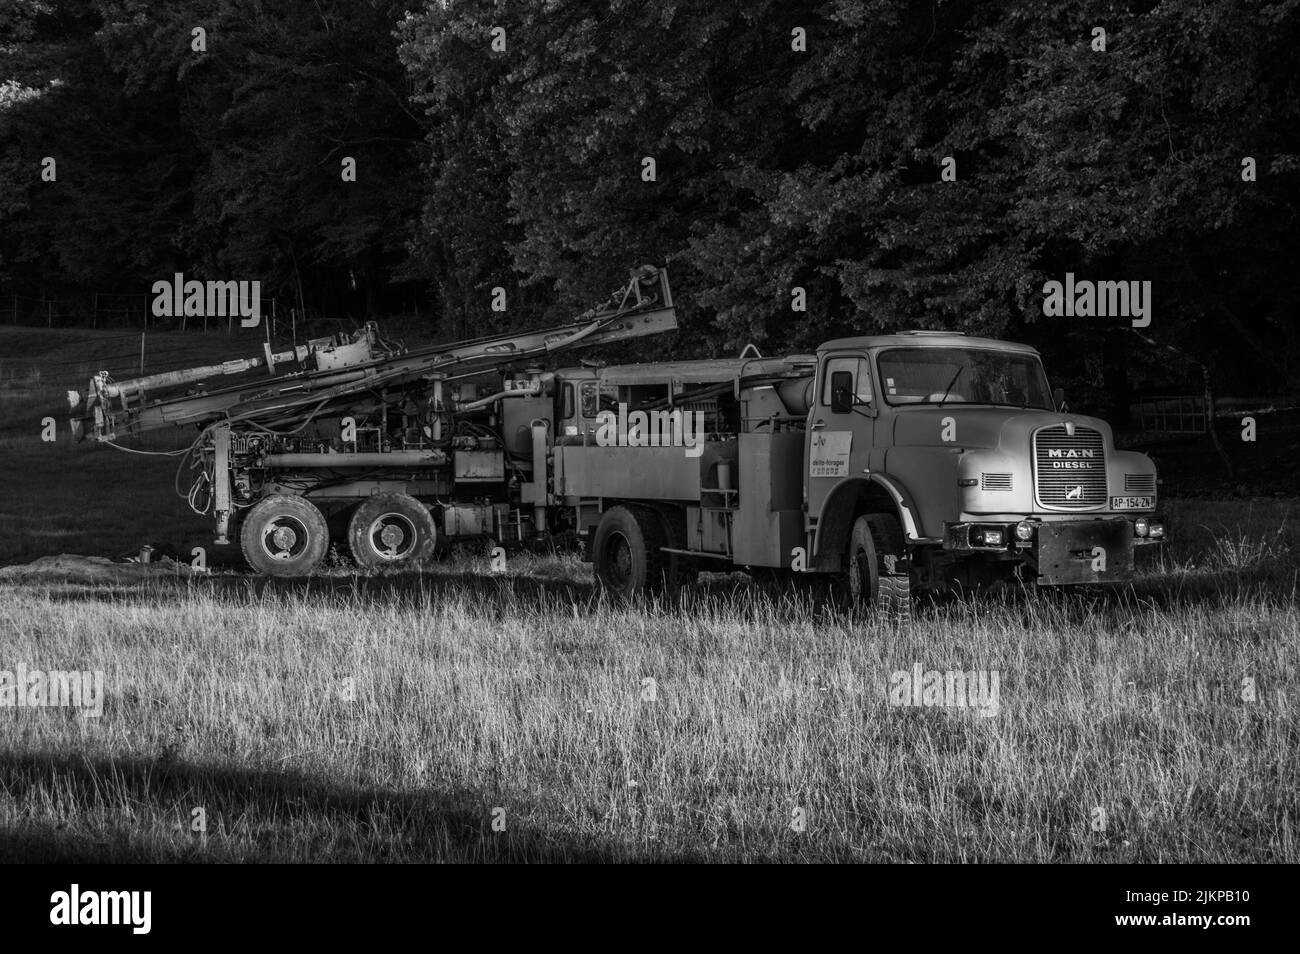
(879, 580)
(626, 555)
(284, 535)
(391, 530)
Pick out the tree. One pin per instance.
(225, 161)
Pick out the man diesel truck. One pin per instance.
(914, 461)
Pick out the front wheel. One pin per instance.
(878, 576)
(284, 535)
(626, 554)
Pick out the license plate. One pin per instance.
(1132, 503)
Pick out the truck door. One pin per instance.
(841, 424)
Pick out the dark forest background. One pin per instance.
(775, 168)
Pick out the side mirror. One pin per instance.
(1058, 398)
(841, 392)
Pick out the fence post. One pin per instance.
(142, 334)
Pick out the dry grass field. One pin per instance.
(458, 715)
(394, 719)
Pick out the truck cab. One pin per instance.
(948, 459)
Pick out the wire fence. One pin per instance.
(1173, 414)
(126, 311)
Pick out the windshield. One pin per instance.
(963, 376)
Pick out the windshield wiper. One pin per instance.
(948, 389)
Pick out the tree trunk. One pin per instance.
(1210, 421)
(1114, 374)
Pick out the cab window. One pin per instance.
(848, 376)
(596, 399)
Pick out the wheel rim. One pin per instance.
(618, 560)
(284, 537)
(393, 536)
(859, 575)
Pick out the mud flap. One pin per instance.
(1070, 552)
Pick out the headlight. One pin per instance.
(1141, 526)
(1157, 531)
(1024, 530)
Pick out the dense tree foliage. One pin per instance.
(225, 162)
(795, 144)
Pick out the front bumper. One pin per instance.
(1059, 552)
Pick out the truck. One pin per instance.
(885, 465)
(890, 465)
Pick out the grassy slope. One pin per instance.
(524, 692)
(67, 497)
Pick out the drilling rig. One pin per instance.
(352, 439)
(911, 462)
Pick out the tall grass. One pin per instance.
(1123, 732)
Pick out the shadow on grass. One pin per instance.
(242, 588)
(713, 594)
(413, 585)
(262, 816)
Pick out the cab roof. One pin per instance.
(707, 370)
(926, 339)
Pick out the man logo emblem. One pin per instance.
(1075, 494)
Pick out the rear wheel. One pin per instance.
(391, 529)
(879, 579)
(626, 553)
(284, 535)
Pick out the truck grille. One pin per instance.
(1139, 483)
(1069, 470)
